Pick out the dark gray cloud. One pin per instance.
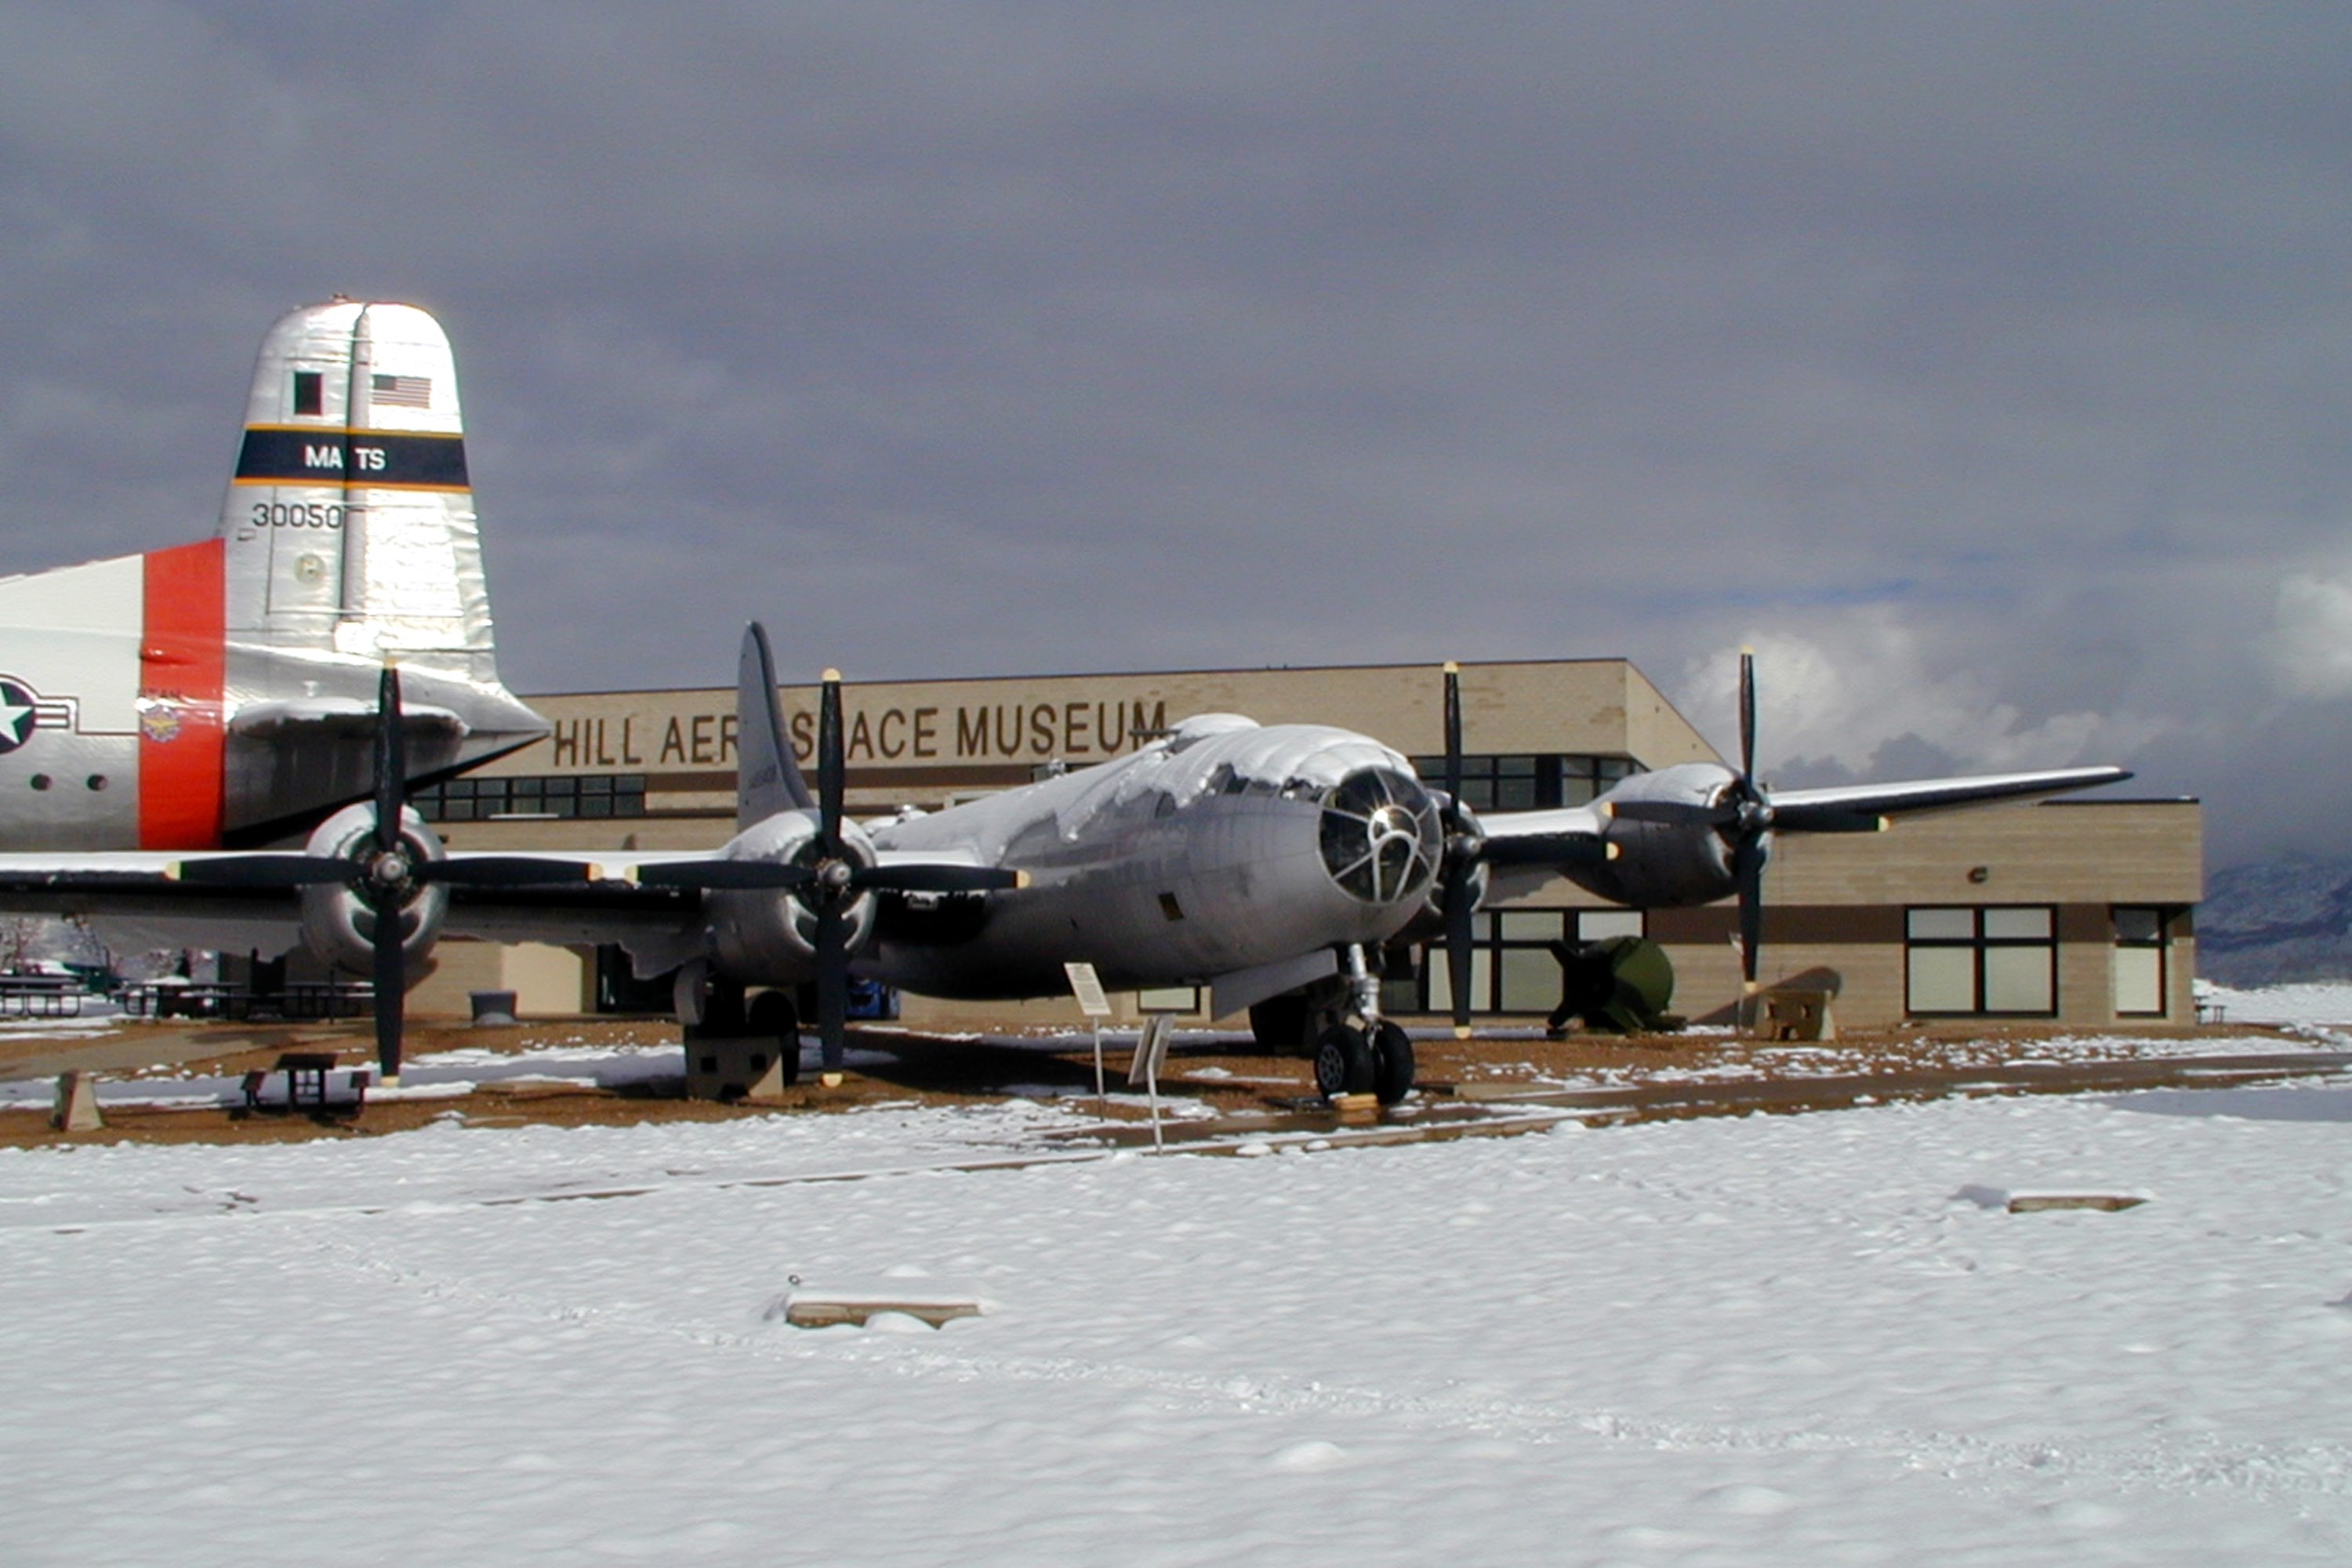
(1987, 366)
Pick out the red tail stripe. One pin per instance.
(182, 677)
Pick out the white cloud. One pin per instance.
(1852, 685)
(2311, 641)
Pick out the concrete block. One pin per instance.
(733, 1069)
(77, 1104)
(1795, 1015)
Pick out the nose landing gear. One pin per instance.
(1368, 1054)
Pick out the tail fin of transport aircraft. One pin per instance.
(350, 523)
(349, 540)
(225, 691)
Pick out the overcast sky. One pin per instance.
(1987, 367)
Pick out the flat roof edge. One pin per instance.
(1433, 666)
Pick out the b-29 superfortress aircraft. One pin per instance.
(1270, 864)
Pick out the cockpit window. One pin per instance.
(1380, 840)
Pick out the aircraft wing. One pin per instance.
(135, 903)
(1561, 836)
(1610, 843)
(1791, 806)
(142, 900)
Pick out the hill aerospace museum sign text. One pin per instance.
(1077, 730)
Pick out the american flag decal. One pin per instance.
(401, 391)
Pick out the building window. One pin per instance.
(1512, 966)
(2139, 967)
(1997, 962)
(1529, 782)
(555, 796)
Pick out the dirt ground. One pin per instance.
(1604, 1079)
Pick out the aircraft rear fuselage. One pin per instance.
(223, 691)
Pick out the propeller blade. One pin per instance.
(1826, 819)
(1748, 871)
(1748, 720)
(1462, 856)
(391, 759)
(506, 872)
(267, 871)
(937, 878)
(1458, 937)
(832, 986)
(390, 976)
(1453, 731)
(832, 783)
(722, 874)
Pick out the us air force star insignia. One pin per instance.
(16, 716)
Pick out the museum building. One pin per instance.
(2074, 911)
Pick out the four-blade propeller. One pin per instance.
(386, 869)
(1745, 815)
(826, 879)
(1469, 852)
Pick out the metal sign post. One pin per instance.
(1095, 1005)
(1150, 1055)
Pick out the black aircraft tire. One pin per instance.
(1278, 1024)
(1391, 1063)
(1343, 1062)
(772, 1013)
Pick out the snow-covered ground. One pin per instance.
(2318, 1004)
(1771, 1339)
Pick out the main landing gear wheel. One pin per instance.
(772, 1013)
(1344, 1063)
(1391, 1063)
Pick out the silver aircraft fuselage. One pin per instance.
(1223, 847)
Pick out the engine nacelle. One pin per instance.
(1661, 865)
(770, 937)
(339, 926)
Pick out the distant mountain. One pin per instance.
(2276, 922)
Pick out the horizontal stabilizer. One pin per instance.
(338, 718)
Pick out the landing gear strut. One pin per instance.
(1365, 1054)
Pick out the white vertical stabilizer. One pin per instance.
(350, 523)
